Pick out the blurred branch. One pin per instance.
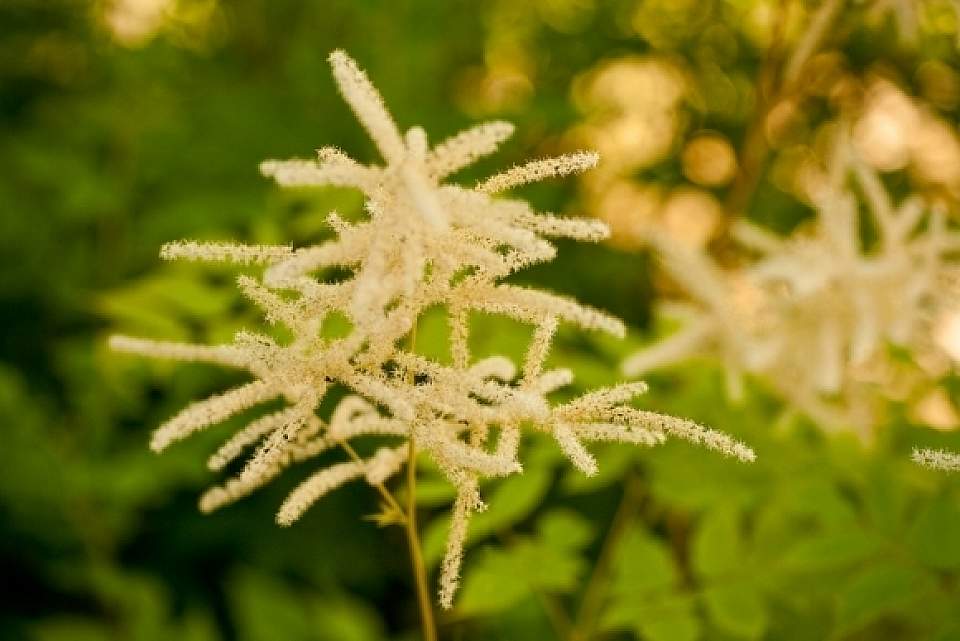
(559, 620)
(811, 40)
(753, 152)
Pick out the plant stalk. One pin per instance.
(410, 527)
(413, 540)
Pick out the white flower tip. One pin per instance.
(118, 342)
(937, 459)
(617, 328)
(502, 129)
(339, 57)
(268, 168)
(211, 500)
(600, 231)
(170, 251)
(590, 159)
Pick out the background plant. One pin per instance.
(112, 147)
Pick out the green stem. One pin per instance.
(410, 527)
(556, 615)
(413, 540)
(380, 487)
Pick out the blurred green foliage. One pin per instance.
(108, 150)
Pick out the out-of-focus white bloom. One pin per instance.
(133, 23)
(936, 410)
(815, 313)
(895, 132)
(947, 335)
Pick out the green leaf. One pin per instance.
(878, 591)
(265, 608)
(342, 618)
(692, 479)
(190, 296)
(512, 500)
(886, 501)
(642, 565)
(491, 586)
(665, 617)
(159, 305)
(501, 578)
(949, 632)
(717, 545)
(565, 530)
(679, 627)
(643, 594)
(832, 550)
(435, 492)
(820, 499)
(612, 460)
(737, 609)
(935, 534)
(137, 315)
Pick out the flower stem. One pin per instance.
(410, 527)
(755, 147)
(413, 540)
(385, 494)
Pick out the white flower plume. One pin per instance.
(425, 243)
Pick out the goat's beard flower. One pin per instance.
(425, 243)
(814, 314)
(937, 459)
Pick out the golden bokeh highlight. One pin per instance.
(631, 108)
(709, 160)
(134, 23)
(897, 132)
(633, 117)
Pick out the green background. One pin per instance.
(108, 150)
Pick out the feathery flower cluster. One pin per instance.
(814, 313)
(425, 243)
(937, 459)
